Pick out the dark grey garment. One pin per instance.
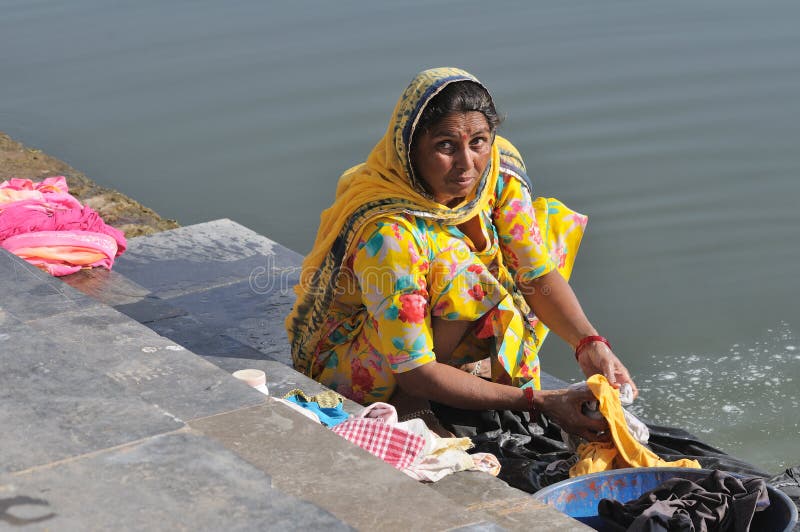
(533, 455)
(717, 502)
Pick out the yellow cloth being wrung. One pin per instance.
(623, 450)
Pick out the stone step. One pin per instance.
(222, 292)
(108, 424)
(95, 434)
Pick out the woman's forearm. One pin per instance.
(451, 386)
(554, 302)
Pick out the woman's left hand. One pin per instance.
(597, 357)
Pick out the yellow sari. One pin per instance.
(331, 309)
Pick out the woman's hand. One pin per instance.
(597, 357)
(564, 408)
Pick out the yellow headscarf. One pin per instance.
(384, 184)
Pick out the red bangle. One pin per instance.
(588, 340)
(529, 396)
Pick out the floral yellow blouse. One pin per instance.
(406, 269)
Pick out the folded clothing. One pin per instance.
(45, 225)
(63, 252)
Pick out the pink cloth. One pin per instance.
(389, 443)
(29, 216)
(50, 184)
(63, 252)
(10, 195)
(28, 208)
(383, 411)
(53, 190)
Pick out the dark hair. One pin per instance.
(459, 97)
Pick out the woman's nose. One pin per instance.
(463, 158)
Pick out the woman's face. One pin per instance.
(450, 157)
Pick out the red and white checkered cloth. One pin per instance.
(392, 445)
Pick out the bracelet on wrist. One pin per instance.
(536, 416)
(589, 340)
(529, 396)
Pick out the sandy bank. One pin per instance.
(118, 210)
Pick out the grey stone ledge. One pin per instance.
(178, 481)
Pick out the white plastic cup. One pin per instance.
(253, 377)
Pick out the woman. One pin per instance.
(430, 262)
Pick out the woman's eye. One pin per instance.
(445, 146)
(479, 141)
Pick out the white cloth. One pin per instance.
(626, 394)
(440, 456)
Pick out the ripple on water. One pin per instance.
(731, 400)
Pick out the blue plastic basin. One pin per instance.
(578, 497)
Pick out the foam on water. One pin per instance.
(748, 394)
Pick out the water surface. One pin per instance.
(674, 126)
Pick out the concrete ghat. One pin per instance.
(103, 390)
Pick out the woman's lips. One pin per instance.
(463, 180)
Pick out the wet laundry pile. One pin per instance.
(44, 224)
(535, 453)
(719, 501)
(408, 446)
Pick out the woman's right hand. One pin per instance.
(564, 408)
